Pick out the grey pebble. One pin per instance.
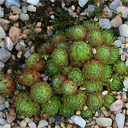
(3, 121)
(2, 107)
(6, 104)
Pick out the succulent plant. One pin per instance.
(107, 74)
(60, 57)
(95, 101)
(119, 67)
(26, 105)
(35, 62)
(108, 37)
(108, 100)
(51, 68)
(30, 77)
(91, 26)
(51, 106)
(69, 87)
(87, 113)
(41, 92)
(92, 86)
(74, 101)
(67, 69)
(7, 85)
(57, 81)
(76, 33)
(95, 38)
(66, 111)
(102, 54)
(114, 55)
(115, 84)
(77, 75)
(93, 70)
(79, 53)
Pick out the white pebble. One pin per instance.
(125, 82)
(8, 43)
(24, 17)
(28, 120)
(32, 125)
(6, 104)
(7, 126)
(31, 8)
(123, 30)
(118, 104)
(123, 10)
(20, 45)
(1, 12)
(120, 118)
(78, 120)
(116, 21)
(91, 8)
(42, 123)
(114, 4)
(2, 107)
(105, 122)
(126, 105)
(122, 39)
(105, 23)
(34, 2)
(9, 3)
(52, 17)
(2, 100)
(2, 20)
(126, 63)
(2, 33)
(82, 2)
(107, 9)
(2, 65)
(1, 1)
(117, 43)
(4, 55)
(27, 54)
(24, 9)
(23, 124)
(3, 121)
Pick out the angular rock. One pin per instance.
(82, 2)
(34, 2)
(78, 120)
(117, 43)
(104, 122)
(118, 104)
(114, 4)
(2, 33)
(120, 118)
(9, 3)
(105, 23)
(14, 34)
(42, 123)
(123, 29)
(8, 43)
(4, 55)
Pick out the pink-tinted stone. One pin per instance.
(14, 34)
(116, 105)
